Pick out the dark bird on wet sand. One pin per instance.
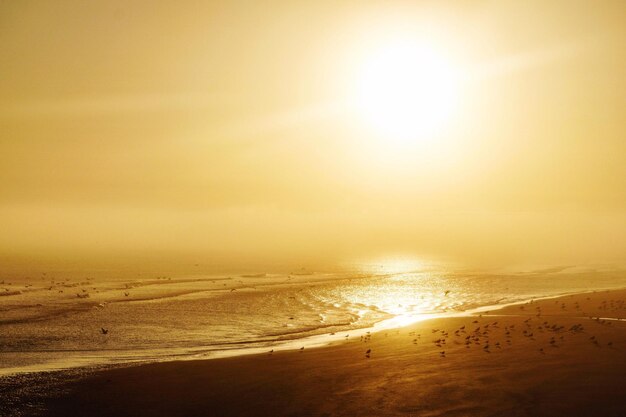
(103, 330)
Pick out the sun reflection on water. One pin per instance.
(394, 265)
(406, 288)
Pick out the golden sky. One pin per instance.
(232, 131)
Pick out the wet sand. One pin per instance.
(544, 358)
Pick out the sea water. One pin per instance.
(52, 321)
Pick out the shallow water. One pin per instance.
(55, 323)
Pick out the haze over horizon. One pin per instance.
(228, 133)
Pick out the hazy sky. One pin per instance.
(222, 132)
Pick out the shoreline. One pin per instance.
(314, 341)
(405, 367)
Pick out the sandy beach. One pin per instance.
(554, 357)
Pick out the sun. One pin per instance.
(406, 90)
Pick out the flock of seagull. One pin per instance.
(490, 336)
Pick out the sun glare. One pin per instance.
(406, 90)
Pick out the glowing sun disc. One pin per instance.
(406, 90)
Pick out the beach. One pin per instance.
(559, 356)
(45, 325)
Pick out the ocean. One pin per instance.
(52, 322)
